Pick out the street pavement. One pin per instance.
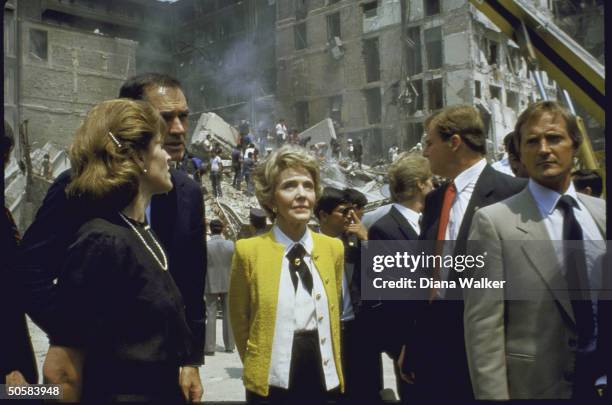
(221, 375)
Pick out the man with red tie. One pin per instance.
(455, 145)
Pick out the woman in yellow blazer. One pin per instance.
(285, 289)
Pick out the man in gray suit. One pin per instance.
(220, 253)
(549, 344)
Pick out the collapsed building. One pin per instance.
(373, 68)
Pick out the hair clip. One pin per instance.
(115, 139)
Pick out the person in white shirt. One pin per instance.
(216, 168)
(285, 289)
(281, 132)
(455, 146)
(391, 323)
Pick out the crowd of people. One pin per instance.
(117, 271)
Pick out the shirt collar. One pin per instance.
(546, 198)
(469, 175)
(287, 242)
(216, 237)
(410, 214)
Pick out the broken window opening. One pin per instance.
(493, 49)
(370, 9)
(435, 93)
(433, 46)
(416, 93)
(477, 89)
(302, 116)
(333, 26)
(335, 109)
(432, 7)
(373, 105)
(300, 39)
(9, 32)
(414, 133)
(301, 9)
(38, 44)
(372, 59)
(415, 64)
(9, 85)
(495, 92)
(512, 100)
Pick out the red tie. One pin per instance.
(449, 197)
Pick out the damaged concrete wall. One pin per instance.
(79, 70)
(326, 71)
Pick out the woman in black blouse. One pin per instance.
(128, 313)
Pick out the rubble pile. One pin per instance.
(15, 178)
(234, 206)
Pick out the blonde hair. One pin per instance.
(104, 147)
(406, 173)
(266, 174)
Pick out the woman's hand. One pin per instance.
(15, 378)
(64, 365)
(190, 383)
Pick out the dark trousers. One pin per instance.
(306, 379)
(215, 179)
(587, 372)
(441, 362)
(351, 361)
(237, 176)
(366, 378)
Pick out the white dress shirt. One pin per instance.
(503, 165)
(299, 311)
(465, 183)
(546, 200)
(411, 216)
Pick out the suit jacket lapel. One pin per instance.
(403, 225)
(530, 222)
(431, 215)
(484, 188)
(598, 215)
(164, 208)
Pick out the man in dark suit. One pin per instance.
(176, 217)
(410, 180)
(455, 146)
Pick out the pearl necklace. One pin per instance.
(163, 265)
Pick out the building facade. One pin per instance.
(378, 68)
(224, 52)
(63, 57)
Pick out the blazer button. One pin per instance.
(325, 362)
(327, 280)
(321, 318)
(318, 296)
(323, 341)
